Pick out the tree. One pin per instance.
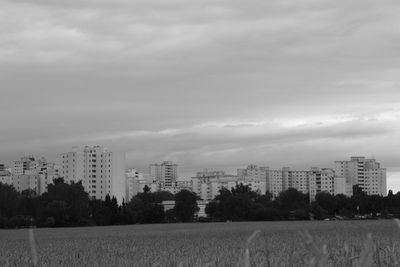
(185, 205)
(326, 201)
(212, 209)
(135, 211)
(75, 203)
(146, 189)
(292, 199)
(239, 204)
(154, 213)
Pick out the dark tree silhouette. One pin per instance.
(185, 205)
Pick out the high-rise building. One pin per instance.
(101, 172)
(281, 180)
(321, 180)
(366, 173)
(166, 173)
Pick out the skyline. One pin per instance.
(188, 177)
(215, 84)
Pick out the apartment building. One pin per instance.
(25, 165)
(30, 173)
(207, 184)
(281, 180)
(165, 173)
(363, 172)
(101, 172)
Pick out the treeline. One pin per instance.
(68, 205)
(242, 204)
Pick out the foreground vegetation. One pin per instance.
(295, 243)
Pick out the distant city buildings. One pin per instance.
(5, 176)
(26, 165)
(102, 172)
(206, 184)
(136, 181)
(366, 173)
(165, 173)
(29, 173)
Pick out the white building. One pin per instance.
(281, 180)
(207, 184)
(275, 182)
(201, 204)
(136, 182)
(36, 175)
(177, 187)
(366, 173)
(101, 172)
(26, 165)
(5, 177)
(165, 173)
(321, 180)
(255, 177)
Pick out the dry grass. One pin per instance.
(338, 243)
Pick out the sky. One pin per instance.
(207, 84)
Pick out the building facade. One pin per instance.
(101, 172)
(366, 173)
(207, 184)
(32, 174)
(165, 173)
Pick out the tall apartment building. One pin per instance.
(255, 177)
(281, 180)
(166, 173)
(101, 172)
(252, 172)
(321, 180)
(366, 173)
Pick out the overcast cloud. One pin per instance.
(208, 84)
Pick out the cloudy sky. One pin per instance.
(208, 84)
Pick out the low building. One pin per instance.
(170, 204)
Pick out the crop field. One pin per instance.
(322, 243)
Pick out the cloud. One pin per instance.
(206, 83)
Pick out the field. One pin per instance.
(334, 243)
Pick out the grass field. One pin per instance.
(334, 243)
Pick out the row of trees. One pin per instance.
(242, 204)
(65, 205)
